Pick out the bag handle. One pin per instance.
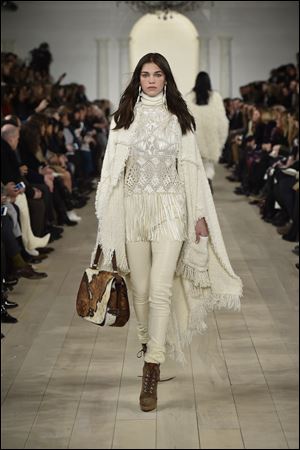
(97, 257)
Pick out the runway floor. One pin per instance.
(69, 384)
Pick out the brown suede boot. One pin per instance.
(148, 397)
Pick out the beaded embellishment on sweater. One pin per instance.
(151, 166)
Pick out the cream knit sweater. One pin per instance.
(155, 206)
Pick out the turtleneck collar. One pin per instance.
(152, 101)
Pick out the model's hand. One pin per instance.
(201, 229)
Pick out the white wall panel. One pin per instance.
(264, 35)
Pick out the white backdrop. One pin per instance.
(176, 39)
(264, 35)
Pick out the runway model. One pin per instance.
(156, 211)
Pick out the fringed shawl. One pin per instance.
(204, 278)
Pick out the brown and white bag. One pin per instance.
(102, 295)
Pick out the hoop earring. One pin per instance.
(139, 95)
(165, 96)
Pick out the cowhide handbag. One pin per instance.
(102, 295)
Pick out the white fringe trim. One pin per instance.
(109, 207)
(197, 320)
(155, 216)
(197, 277)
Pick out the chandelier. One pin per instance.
(164, 8)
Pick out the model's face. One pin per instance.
(152, 79)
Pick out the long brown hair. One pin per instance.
(124, 116)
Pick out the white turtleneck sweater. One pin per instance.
(155, 204)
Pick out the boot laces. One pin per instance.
(142, 352)
(150, 381)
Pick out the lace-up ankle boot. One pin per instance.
(148, 397)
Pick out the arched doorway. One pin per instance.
(176, 39)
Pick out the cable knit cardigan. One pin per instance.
(204, 278)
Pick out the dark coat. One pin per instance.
(10, 171)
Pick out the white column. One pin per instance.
(225, 66)
(124, 70)
(204, 54)
(102, 88)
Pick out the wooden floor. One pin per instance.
(70, 384)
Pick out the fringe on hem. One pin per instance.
(155, 216)
(197, 324)
(199, 278)
(106, 237)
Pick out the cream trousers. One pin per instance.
(152, 269)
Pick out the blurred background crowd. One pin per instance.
(53, 141)
(262, 149)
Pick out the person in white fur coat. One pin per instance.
(212, 124)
